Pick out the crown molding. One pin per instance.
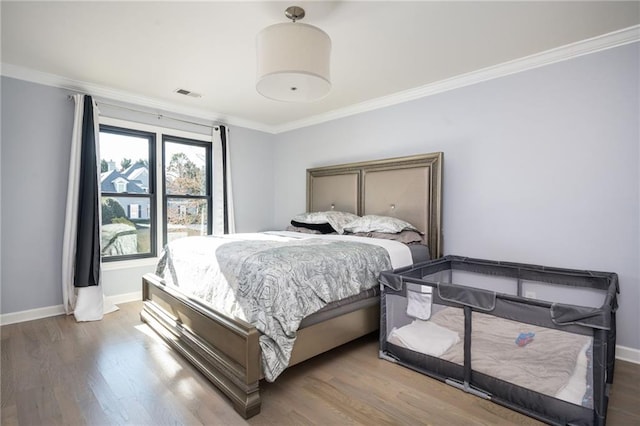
(548, 57)
(559, 54)
(99, 91)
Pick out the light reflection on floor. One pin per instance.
(184, 381)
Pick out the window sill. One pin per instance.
(128, 264)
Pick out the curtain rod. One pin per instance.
(160, 116)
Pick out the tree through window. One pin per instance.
(187, 188)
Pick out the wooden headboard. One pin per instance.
(409, 188)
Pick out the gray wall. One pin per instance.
(36, 139)
(539, 167)
(37, 122)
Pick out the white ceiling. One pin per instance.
(149, 49)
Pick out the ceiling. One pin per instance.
(146, 50)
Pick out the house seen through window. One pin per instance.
(126, 181)
(143, 210)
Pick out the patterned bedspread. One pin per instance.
(273, 282)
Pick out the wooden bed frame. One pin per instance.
(226, 349)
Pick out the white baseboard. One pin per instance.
(51, 311)
(125, 298)
(628, 354)
(31, 314)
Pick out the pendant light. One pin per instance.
(293, 60)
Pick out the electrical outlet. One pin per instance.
(530, 294)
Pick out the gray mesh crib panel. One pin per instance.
(506, 332)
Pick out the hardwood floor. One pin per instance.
(55, 371)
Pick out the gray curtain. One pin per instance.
(87, 259)
(223, 213)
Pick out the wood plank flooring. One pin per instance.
(55, 371)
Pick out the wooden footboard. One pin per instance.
(226, 350)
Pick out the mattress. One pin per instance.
(274, 280)
(548, 361)
(364, 299)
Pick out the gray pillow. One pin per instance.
(336, 219)
(374, 223)
(302, 230)
(407, 237)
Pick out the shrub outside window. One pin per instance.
(127, 164)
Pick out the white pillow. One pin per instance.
(336, 219)
(374, 223)
(425, 337)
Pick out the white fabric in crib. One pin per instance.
(419, 304)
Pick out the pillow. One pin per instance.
(319, 228)
(302, 229)
(319, 221)
(374, 223)
(407, 237)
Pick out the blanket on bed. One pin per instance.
(544, 365)
(272, 283)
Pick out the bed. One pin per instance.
(509, 332)
(226, 348)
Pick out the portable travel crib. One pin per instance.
(508, 332)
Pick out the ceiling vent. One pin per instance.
(188, 93)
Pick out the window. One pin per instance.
(157, 185)
(187, 187)
(134, 211)
(120, 185)
(127, 159)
